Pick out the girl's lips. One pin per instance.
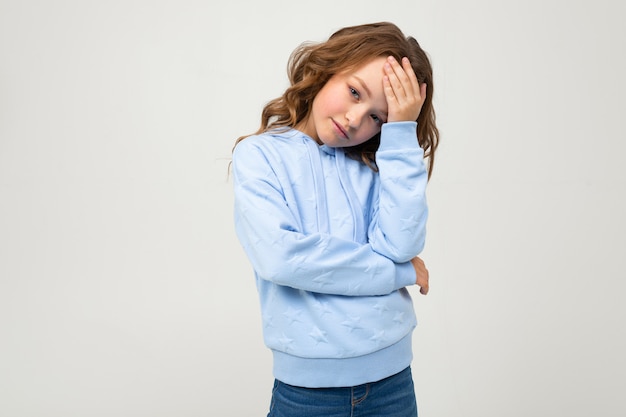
(340, 130)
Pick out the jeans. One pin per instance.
(391, 397)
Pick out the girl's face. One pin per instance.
(350, 108)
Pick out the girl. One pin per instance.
(330, 208)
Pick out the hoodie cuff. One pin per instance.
(398, 135)
(405, 276)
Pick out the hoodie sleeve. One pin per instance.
(398, 226)
(281, 253)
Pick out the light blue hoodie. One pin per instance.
(330, 242)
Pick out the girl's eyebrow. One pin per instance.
(363, 85)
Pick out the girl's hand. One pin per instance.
(405, 96)
(422, 274)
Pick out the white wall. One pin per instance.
(124, 292)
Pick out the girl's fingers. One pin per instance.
(397, 76)
(404, 93)
(423, 88)
(403, 77)
(410, 74)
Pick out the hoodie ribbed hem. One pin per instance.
(344, 372)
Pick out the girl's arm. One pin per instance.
(281, 253)
(398, 226)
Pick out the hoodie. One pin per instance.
(330, 243)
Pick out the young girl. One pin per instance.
(330, 208)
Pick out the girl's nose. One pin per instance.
(354, 117)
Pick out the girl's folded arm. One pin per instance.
(280, 252)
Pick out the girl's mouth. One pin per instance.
(340, 130)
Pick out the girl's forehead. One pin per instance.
(371, 73)
(375, 65)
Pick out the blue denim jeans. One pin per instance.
(391, 397)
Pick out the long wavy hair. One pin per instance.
(311, 65)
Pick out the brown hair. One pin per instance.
(311, 65)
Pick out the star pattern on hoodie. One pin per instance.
(322, 308)
(378, 338)
(381, 307)
(286, 342)
(352, 323)
(354, 287)
(268, 320)
(292, 315)
(323, 245)
(398, 317)
(371, 268)
(298, 261)
(318, 335)
(323, 278)
(342, 221)
(409, 224)
(399, 183)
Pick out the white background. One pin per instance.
(124, 292)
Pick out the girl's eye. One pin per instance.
(354, 93)
(377, 119)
